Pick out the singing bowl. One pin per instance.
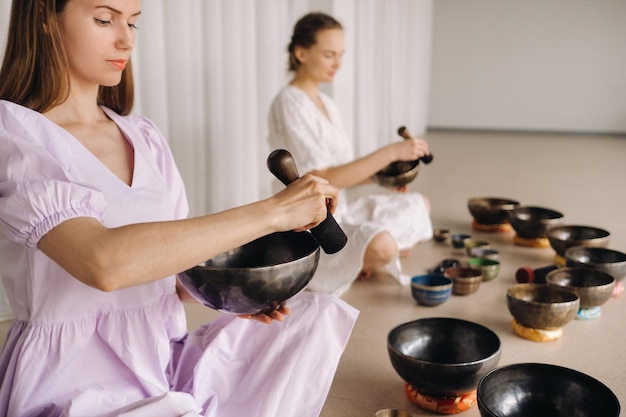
(542, 306)
(564, 237)
(443, 356)
(491, 210)
(532, 222)
(604, 259)
(593, 287)
(256, 277)
(431, 289)
(538, 390)
(397, 173)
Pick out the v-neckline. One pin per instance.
(114, 118)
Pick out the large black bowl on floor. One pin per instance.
(256, 277)
(443, 356)
(491, 210)
(542, 390)
(593, 287)
(532, 222)
(603, 259)
(563, 237)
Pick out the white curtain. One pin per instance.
(207, 70)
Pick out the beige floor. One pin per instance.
(580, 175)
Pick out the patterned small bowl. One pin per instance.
(431, 289)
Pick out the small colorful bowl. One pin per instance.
(470, 244)
(431, 289)
(458, 240)
(490, 268)
(465, 280)
(441, 235)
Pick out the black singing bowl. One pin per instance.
(443, 356)
(564, 237)
(542, 390)
(604, 259)
(491, 210)
(593, 287)
(532, 222)
(256, 277)
(397, 173)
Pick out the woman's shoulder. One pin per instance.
(12, 113)
(290, 96)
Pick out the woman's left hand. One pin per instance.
(267, 318)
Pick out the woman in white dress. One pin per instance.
(94, 228)
(306, 122)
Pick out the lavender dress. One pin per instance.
(75, 351)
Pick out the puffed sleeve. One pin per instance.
(35, 192)
(160, 152)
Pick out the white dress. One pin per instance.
(75, 351)
(297, 125)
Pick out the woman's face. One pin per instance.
(321, 61)
(98, 37)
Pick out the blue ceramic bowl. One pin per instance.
(431, 289)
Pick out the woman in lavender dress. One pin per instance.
(380, 227)
(93, 229)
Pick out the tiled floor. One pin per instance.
(580, 175)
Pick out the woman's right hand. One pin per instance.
(304, 203)
(410, 149)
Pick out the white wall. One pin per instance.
(556, 65)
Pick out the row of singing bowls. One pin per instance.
(256, 277)
(443, 356)
(533, 222)
(491, 210)
(538, 390)
(607, 260)
(563, 237)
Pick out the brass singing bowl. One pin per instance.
(542, 306)
(491, 210)
(397, 173)
(256, 277)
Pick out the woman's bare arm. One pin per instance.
(113, 258)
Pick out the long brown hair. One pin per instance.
(305, 32)
(34, 70)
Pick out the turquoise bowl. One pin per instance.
(431, 289)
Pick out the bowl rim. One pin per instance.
(316, 248)
(485, 202)
(399, 327)
(584, 248)
(568, 372)
(554, 214)
(441, 281)
(558, 288)
(558, 227)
